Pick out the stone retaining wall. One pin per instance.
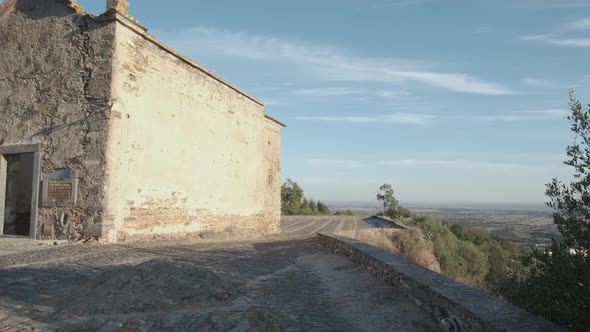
(384, 222)
(435, 293)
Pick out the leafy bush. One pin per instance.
(555, 283)
(294, 202)
(408, 243)
(347, 212)
(476, 258)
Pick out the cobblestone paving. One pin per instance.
(310, 225)
(280, 283)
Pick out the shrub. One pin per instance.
(347, 212)
(476, 258)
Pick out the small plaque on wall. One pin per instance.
(60, 188)
(59, 191)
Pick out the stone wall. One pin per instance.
(155, 143)
(272, 160)
(188, 152)
(435, 293)
(55, 74)
(384, 222)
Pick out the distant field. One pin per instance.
(523, 225)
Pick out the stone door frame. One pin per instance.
(35, 149)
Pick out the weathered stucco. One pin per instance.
(159, 145)
(188, 152)
(55, 73)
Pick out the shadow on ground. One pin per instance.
(277, 284)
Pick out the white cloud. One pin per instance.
(581, 24)
(538, 82)
(328, 92)
(471, 165)
(409, 118)
(335, 163)
(396, 118)
(350, 119)
(551, 4)
(349, 91)
(324, 63)
(557, 158)
(553, 112)
(456, 82)
(391, 93)
(337, 180)
(399, 3)
(558, 38)
(533, 115)
(270, 102)
(421, 119)
(559, 41)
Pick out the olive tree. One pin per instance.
(390, 205)
(556, 281)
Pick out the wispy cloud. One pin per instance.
(559, 41)
(580, 24)
(337, 180)
(558, 38)
(335, 163)
(391, 93)
(520, 116)
(349, 91)
(455, 82)
(328, 92)
(471, 165)
(323, 63)
(349, 119)
(409, 118)
(420, 119)
(483, 30)
(396, 118)
(538, 82)
(551, 4)
(270, 102)
(398, 3)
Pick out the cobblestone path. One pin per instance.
(280, 283)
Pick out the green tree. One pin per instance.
(347, 212)
(313, 206)
(291, 197)
(305, 209)
(323, 208)
(557, 285)
(389, 204)
(294, 202)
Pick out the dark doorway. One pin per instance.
(18, 195)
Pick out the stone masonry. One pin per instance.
(147, 142)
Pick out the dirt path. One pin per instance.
(282, 283)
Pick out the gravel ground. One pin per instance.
(279, 283)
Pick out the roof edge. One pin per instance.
(268, 117)
(134, 25)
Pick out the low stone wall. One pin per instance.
(435, 293)
(384, 222)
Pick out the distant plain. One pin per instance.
(527, 225)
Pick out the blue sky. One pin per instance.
(448, 101)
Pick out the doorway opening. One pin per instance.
(19, 190)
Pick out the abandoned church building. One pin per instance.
(106, 132)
